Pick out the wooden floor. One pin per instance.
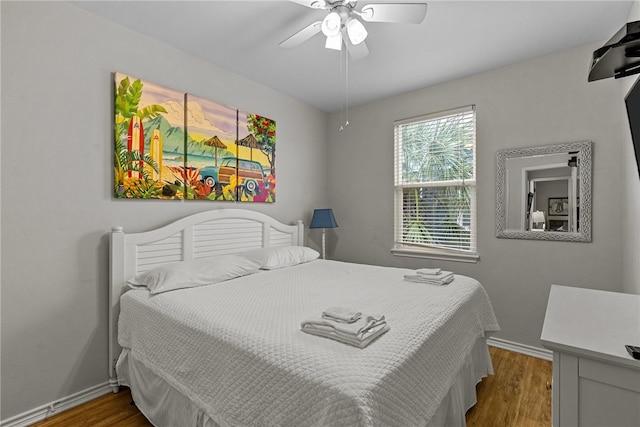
(518, 395)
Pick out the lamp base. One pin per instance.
(324, 239)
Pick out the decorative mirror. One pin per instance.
(544, 193)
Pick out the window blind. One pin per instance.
(435, 181)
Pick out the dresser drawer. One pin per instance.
(608, 395)
(618, 376)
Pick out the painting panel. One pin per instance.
(211, 151)
(257, 158)
(149, 140)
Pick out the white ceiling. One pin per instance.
(457, 39)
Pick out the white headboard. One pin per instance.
(222, 231)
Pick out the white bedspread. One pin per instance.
(236, 349)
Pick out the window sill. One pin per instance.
(438, 254)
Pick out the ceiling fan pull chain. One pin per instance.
(346, 78)
(344, 102)
(341, 98)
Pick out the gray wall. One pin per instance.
(538, 102)
(56, 179)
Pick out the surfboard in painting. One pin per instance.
(155, 152)
(135, 141)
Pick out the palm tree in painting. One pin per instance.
(127, 162)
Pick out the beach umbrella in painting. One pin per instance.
(251, 142)
(215, 142)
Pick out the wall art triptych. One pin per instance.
(175, 145)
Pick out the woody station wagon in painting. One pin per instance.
(250, 173)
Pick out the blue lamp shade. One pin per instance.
(323, 218)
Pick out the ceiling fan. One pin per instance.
(342, 26)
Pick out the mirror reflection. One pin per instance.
(542, 192)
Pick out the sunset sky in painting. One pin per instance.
(203, 113)
(205, 118)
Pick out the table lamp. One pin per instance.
(323, 218)
(537, 217)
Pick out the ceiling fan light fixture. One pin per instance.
(334, 42)
(356, 31)
(331, 24)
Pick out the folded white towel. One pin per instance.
(355, 329)
(341, 314)
(442, 279)
(362, 342)
(429, 271)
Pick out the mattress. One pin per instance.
(236, 351)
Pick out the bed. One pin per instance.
(233, 353)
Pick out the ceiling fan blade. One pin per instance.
(402, 13)
(303, 35)
(356, 51)
(314, 4)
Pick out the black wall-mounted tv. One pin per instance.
(632, 101)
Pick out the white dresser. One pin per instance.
(595, 381)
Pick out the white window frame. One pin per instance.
(409, 249)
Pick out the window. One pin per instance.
(435, 186)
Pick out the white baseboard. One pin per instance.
(540, 353)
(45, 411)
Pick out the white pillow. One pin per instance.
(199, 272)
(281, 256)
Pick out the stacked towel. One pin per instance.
(359, 333)
(341, 314)
(439, 278)
(429, 271)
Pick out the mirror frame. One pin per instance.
(584, 157)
